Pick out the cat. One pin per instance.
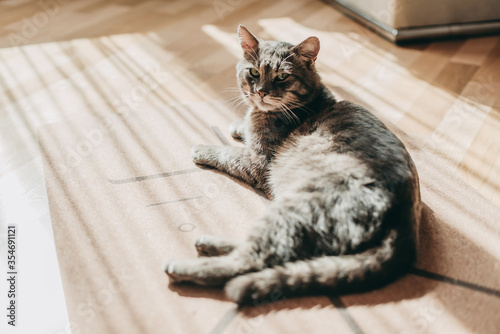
(345, 192)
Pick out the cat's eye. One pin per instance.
(282, 76)
(254, 73)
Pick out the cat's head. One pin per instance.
(274, 75)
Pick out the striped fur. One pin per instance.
(346, 200)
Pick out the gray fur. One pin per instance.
(346, 200)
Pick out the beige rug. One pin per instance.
(124, 196)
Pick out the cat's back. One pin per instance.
(342, 142)
(354, 130)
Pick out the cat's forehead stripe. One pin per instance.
(272, 55)
(278, 61)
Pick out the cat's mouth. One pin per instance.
(264, 104)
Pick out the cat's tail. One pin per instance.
(325, 274)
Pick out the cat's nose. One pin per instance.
(262, 93)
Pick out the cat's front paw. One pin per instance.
(209, 245)
(205, 155)
(237, 129)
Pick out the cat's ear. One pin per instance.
(308, 49)
(249, 43)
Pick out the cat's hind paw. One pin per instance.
(253, 288)
(170, 270)
(181, 271)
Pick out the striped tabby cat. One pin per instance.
(345, 193)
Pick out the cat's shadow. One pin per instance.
(404, 288)
(196, 291)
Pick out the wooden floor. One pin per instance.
(63, 59)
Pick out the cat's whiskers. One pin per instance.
(295, 117)
(300, 106)
(285, 113)
(285, 108)
(281, 108)
(241, 105)
(232, 100)
(236, 102)
(291, 117)
(230, 89)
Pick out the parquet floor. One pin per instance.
(60, 59)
